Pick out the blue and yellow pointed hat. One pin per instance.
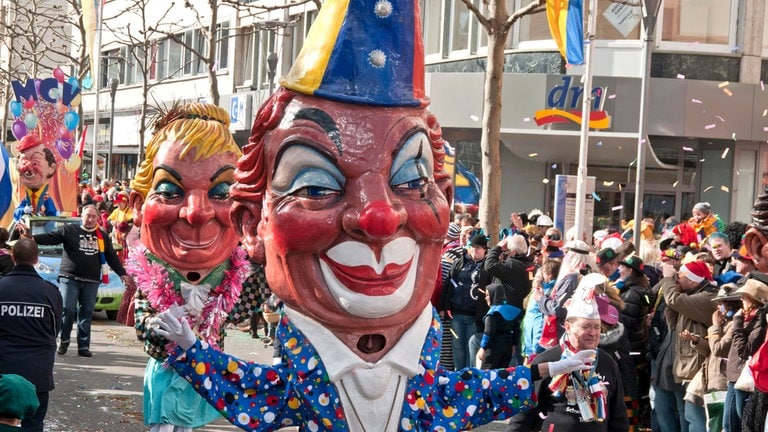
(364, 52)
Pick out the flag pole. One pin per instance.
(586, 106)
(96, 81)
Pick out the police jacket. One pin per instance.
(30, 318)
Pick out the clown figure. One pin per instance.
(188, 261)
(36, 165)
(342, 195)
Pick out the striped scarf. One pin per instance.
(102, 257)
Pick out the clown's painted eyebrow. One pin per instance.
(324, 121)
(221, 170)
(170, 170)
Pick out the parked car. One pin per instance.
(109, 296)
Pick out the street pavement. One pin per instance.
(104, 392)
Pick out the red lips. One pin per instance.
(365, 280)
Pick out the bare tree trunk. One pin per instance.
(213, 80)
(491, 133)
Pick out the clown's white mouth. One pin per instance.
(367, 287)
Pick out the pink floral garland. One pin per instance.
(152, 279)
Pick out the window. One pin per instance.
(244, 59)
(690, 23)
(460, 25)
(432, 14)
(222, 45)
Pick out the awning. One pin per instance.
(605, 148)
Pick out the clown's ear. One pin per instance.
(245, 218)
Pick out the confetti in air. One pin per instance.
(708, 188)
(474, 117)
(680, 76)
(608, 183)
(599, 143)
(720, 118)
(612, 96)
(765, 111)
(545, 181)
(696, 101)
(725, 153)
(710, 126)
(728, 92)
(595, 196)
(723, 84)
(724, 188)
(554, 166)
(526, 120)
(762, 86)
(733, 136)
(675, 183)
(533, 155)
(688, 149)
(617, 208)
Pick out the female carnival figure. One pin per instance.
(188, 261)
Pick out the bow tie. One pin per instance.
(194, 296)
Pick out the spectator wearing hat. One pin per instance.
(636, 294)
(689, 309)
(18, 402)
(499, 334)
(608, 263)
(461, 298)
(724, 356)
(743, 263)
(558, 408)
(452, 251)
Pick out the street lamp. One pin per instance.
(271, 70)
(112, 90)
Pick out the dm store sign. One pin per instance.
(564, 105)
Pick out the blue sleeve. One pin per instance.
(251, 396)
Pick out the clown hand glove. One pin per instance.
(28, 210)
(582, 360)
(174, 330)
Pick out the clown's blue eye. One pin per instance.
(412, 167)
(303, 171)
(169, 190)
(219, 192)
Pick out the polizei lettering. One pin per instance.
(22, 310)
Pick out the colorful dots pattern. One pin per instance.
(299, 393)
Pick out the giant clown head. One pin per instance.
(180, 195)
(36, 163)
(341, 190)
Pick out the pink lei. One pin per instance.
(152, 279)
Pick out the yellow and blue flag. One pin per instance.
(566, 23)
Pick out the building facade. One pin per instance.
(706, 127)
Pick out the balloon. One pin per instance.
(58, 74)
(19, 129)
(72, 164)
(29, 103)
(73, 82)
(64, 132)
(16, 108)
(87, 82)
(64, 147)
(30, 120)
(71, 120)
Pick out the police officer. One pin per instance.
(30, 319)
